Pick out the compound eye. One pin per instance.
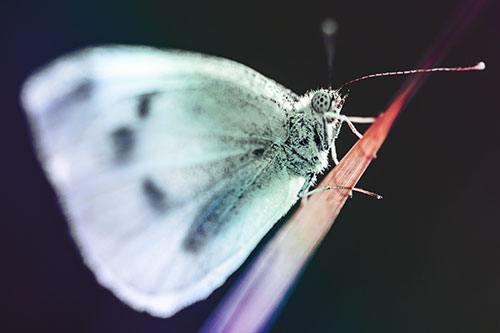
(321, 102)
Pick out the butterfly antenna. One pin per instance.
(477, 67)
(329, 29)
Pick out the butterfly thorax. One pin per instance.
(307, 145)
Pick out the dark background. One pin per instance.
(424, 259)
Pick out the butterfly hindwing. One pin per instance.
(164, 163)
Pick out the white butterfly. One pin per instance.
(171, 166)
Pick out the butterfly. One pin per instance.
(171, 166)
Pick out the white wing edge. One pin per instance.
(37, 90)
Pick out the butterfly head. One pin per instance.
(325, 106)
(328, 101)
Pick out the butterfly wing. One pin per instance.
(165, 163)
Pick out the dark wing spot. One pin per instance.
(81, 91)
(258, 152)
(144, 105)
(155, 196)
(207, 224)
(197, 109)
(123, 140)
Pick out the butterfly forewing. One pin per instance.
(165, 164)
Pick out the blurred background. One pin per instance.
(426, 258)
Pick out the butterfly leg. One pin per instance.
(353, 129)
(307, 184)
(334, 154)
(351, 120)
(360, 190)
(361, 120)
